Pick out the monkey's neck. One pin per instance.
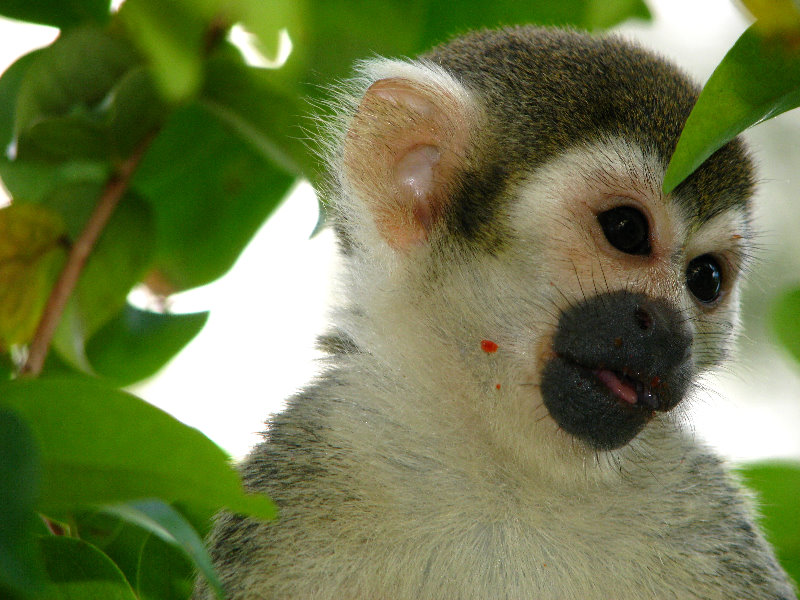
(393, 420)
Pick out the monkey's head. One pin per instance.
(500, 203)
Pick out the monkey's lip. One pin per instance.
(628, 388)
(604, 405)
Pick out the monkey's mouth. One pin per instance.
(628, 389)
(611, 371)
(606, 407)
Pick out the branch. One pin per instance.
(113, 192)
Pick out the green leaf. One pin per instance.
(72, 199)
(785, 320)
(58, 13)
(20, 564)
(237, 94)
(758, 79)
(65, 138)
(68, 342)
(391, 28)
(169, 525)
(601, 14)
(47, 183)
(401, 28)
(83, 140)
(778, 488)
(157, 570)
(136, 111)
(171, 35)
(442, 21)
(29, 181)
(79, 147)
(73, 76)
(210, 193)
(165, 573)
(136, 344)
(201, 519)
(266, 19)
(7, 367)
(10, 84)
(119, 260)
(103, 446)
(79, 571)
(121, 541)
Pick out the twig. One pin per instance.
(113, 192)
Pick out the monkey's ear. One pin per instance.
(403, 151)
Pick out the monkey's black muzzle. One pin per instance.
(619, 357)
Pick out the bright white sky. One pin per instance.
(257, 348)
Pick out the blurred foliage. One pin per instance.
(19, 488)
(786, 321)
(758, 79)
(778, 488)
(152, 114)
(143, 149)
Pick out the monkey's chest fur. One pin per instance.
(372, 508)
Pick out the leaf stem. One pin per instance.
(113, 192)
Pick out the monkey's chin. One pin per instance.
(603, 408)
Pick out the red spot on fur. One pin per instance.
(488, 346)
(655, 382)
(736, 236)
(497, 386)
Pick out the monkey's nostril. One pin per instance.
(643, 318)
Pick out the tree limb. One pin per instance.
(113, 192)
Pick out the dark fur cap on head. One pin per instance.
(546, 90)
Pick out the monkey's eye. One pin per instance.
(704, 278)
(626, 229)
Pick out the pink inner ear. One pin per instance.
(402, 152)
(415, 178)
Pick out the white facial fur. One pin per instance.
(430, 331)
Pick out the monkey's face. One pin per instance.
(556, 295)
(641, 295)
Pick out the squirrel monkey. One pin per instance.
(525, 312)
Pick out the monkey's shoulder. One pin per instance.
(367, 519)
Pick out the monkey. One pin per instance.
(524, 314)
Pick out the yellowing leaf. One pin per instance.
(775, 16)
(31, 254)
(26, 230)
